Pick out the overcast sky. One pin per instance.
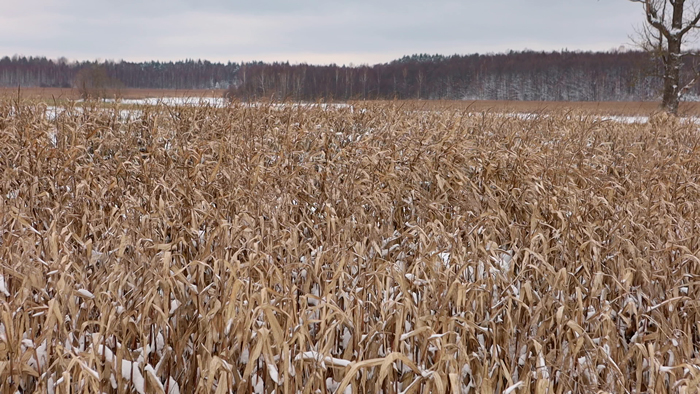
(313, 31)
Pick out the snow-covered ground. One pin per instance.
(217, 102)
(613, 118)
(220, 102)
(53, 112)
(174, 101)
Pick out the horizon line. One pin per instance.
(621, 49)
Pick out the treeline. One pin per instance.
(527, 75)
(189, 74)
(564, 76)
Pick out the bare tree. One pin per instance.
(670, 24)
(94, 83)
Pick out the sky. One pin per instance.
(311, 31)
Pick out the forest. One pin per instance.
(524, 75)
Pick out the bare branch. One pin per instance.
(692, 25)
(689, 85)
(664, 36)
(653, 19)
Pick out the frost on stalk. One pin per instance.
(316, 356)
(85, 294)
(258, 384)
(128, 369)
(333, 386)
(346, 338)
(3, 287)
(273, 373)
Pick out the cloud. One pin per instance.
(307, 30)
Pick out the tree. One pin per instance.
(670, 24)
(93, 82)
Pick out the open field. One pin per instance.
(363, 249)
(618, 108)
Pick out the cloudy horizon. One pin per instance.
(308, 31)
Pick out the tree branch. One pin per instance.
(689, 85)
(693, 24)
(652, 15)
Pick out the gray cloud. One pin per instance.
(360, 31)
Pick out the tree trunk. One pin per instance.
(672, 62)
(672, 76)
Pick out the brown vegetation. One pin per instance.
(622, 108)
(94, 83)
(618, 108)
(298, 249)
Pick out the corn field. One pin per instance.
(346, 249)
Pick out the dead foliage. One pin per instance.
(359, 249)
(610, 108)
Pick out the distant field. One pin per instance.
(622, 108)
(73, 94)
(339, 249)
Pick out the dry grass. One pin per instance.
(617, 108)
(299, 249)
(620, 108)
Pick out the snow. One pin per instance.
(346, 338)
(626, 119)
(218, 102)
(3, 286)
(445, 257)
(417, 282)
(601, 118)
(50, 386)
(52, 134)
(174, 304)
(316, 356)
(512, 388)
(502, 263)
(39, 352)
(244, 356)
(272, 371)
(52, 114)
(173, 387)
(333, 386)
(542, 365)
(149, 369)
(258, 384)
(128, 369)
(174, 101)
(86, 294)
(89, 370)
